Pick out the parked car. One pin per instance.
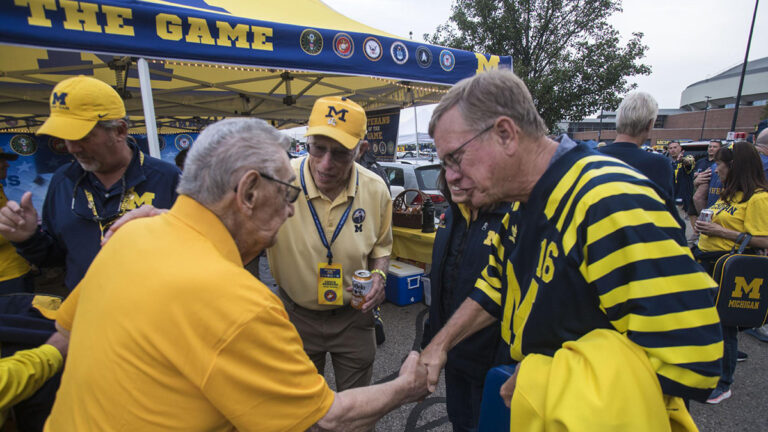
(421, 176)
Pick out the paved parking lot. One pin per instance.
(745, 411)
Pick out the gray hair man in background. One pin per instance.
(634, 122)
(213, 348)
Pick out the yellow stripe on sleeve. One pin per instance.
(493, 294)
(688, 353)
(667, 322)
(655, 287)
(629, 254)
(683, 376)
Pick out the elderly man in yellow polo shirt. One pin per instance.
(342, 224)
(170, 332)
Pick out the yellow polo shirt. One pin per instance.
(171, 333)
(12, 265)
(294, 259)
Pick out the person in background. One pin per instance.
(741, 208)
(108, 178)
(214, 349)
(634, 121)
(15, 275)
(682, 169)
(761, 144)
(23, 373)
(460, 252)
(367, 159)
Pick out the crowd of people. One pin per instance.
(564, 261)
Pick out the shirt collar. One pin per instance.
(204, 221)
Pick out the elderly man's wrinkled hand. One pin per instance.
(415, 378)
(376, 296)
(146, 210)
(434, 358)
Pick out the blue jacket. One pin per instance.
(69, 233)
(654, 166)
(481, 351)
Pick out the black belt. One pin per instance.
(290, 304)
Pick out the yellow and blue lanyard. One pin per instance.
(125, 201)
(318, 225)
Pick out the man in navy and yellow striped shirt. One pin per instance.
(590, 245)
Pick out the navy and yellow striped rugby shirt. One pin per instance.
(596, 247)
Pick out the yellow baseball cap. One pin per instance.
(77, 104)
(338, 118)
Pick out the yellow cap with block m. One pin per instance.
(77, 104)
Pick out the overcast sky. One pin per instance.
(687, 40)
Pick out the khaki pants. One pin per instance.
(346, 333)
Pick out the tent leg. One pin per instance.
(149, 108)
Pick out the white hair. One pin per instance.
(635, 112)
(224, 151)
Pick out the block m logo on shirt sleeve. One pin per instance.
(752, 289)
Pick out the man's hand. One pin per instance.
(147, 210)
(18, 222)
(434, 358)
(508, 388)
(703, 177)
(415, 375)
(376, 295)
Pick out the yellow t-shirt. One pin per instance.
(294, 259)
(750, 217)
(171, 333)
(11, 264)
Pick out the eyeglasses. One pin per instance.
(337, 155)
(453, 162)
(291, 192)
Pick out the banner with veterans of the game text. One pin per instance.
(382, 133)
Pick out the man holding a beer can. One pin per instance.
(339, 237)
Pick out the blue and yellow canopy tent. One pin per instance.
(194, 61)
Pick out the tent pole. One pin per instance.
(149, 108)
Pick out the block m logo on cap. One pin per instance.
(334, 114)
(59, 99)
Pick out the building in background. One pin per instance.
(706, 109)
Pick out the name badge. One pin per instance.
(330, 284)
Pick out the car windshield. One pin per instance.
(427, 177)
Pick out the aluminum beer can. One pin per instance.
(706, 215)
(362, 282)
